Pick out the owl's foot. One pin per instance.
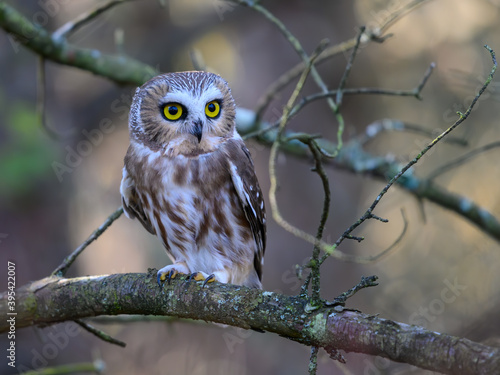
(202, 276)
(170, 272)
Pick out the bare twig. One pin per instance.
(347, 70)
(461, 160)
(64, 266)
(369, 259)
(330, 52)
(463, 116)
(295, 43)
(40, 98)
(313, 360)
(314, 263)
(100, 334)
(415, 92)
(121, 69)
(366, 282)
(272, 166)
(70, 27)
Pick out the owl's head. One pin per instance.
(183, 113)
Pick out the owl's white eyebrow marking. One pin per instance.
(186, 97)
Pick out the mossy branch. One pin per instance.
(120, 69)
(53, 300)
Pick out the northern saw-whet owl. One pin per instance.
(189, 179)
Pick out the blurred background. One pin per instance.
(442, 275)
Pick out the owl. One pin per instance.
(190, 180)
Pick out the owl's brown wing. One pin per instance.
(250, 196)
(131, 202)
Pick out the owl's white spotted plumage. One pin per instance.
(189, 179)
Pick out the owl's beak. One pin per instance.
(197, 130)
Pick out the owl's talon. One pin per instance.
(159, 280)
(168, 275)
(171, 275)
(209, 279)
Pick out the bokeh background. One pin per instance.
(44, 217)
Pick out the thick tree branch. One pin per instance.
(52, 300)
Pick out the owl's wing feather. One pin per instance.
(250, 196)
(131, 202)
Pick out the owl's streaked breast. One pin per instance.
(191, 203)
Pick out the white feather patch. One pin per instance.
(240, 189)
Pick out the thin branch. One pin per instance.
(295, 43)
(348, 67)
(315, 264)
(461, 160)
(370, 259)
(366, 282)
(121, 69)
(40, 98)
(313, 360)
(70, 27)
(476, 214)
(424, 80)
(355, 159)
(100, 334)
(415, 92)
(272, 168)
(463, 116)
(54, 300)
(372, 35)
(68, 261)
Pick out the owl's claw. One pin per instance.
(209, 279)
(169, 275)
(201, 276)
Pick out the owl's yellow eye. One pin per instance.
(212, 109)
(172, 111)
